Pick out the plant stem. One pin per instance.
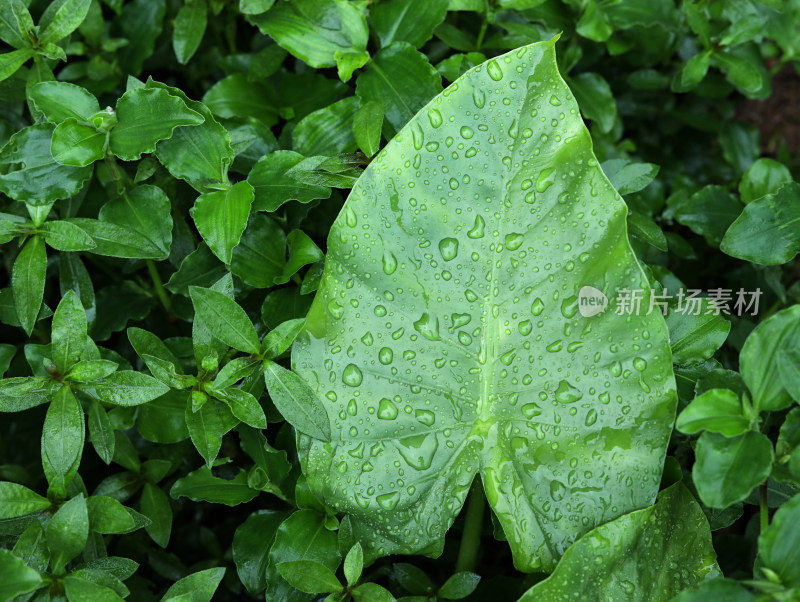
(481, 35)
(159, 286)
(763, 507)
(473, 523)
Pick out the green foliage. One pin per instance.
(294, 287)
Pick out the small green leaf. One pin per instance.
(62, 437)
(221, 217)
(628, 177)
(609, 572)
(296, 401)
(327, 131)
(197, 587)
(60, 101)
(68, 332)
(302, 251)
(17, 578)
(255, 7)
(238, 96)
(347, 62)
(29, 173)
(77, 144)
(778, 543)
(727, 469)
(17, 500)
(411, 21)
(278, 340)
(201, 485)
(692, 72)
(107, 515)
(272, 187)
(768, 230)
(760, 370)
(101, 432)
(353, 564)
(765, 176)
(717, 411)
(145, 116)
(147, 211)
(243, 405)
(708, 212)
(125, 388)
(225, 319)
(67, 532)
(27, 282)
(190, 25)
(309, 576)
(696, 335)
(68, 16)
(367, 125)
(251, 544)
(205, 430)
(595, 99)
(371, 592)
(76, 588)
(401, 80)
(15, 23)
(10, 62)
(260, 257)
(155, 506)
(115, 240)
(296, 27)
(66, 236)
(23, 393)
(459, 586)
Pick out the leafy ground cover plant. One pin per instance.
(398, 300)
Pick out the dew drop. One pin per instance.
(448, 247)
(566, 393)
(435, 117)
(351, 375)
(385, 356)
(494, 70)
(387, 410)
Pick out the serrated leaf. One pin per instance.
(442, 340)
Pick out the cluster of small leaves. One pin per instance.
(169, 172)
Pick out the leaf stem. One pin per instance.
(764, 507)
(481, 34)
(473, 524)
(166, 302)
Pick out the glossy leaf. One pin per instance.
(17, 578)
(225, 319)
(296, 401)
(27, 282)
(29, 173)
(145, 116)
(60, 101)
(411, 21)
(727, 469)
(401, 80)
(768, 230)
(66, 236)
(695, 336)
(202, 485)
(442, 338)
(757, 361)
(718, 411)
(197, 587)
(17, 500)
(778, 543)
(62, 21)
(62, 438)
(309, 576)
(273, 187)
(763, 177)
(297, 28)
(77, 144)
(221, 217)
(67, 532)
(190, 25)
(126, 388)
(251, 544)
(68, 332)
(10, 62)
(367, 126)
(260, 256)
(155, 506)
(595, 99)
(656, 553)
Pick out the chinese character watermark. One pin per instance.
(695, 302)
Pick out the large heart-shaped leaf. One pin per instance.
(446, 337)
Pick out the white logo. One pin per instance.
(591, 301)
